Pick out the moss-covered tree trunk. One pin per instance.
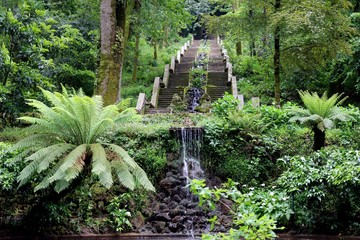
(110, 53)
(277, 58)
(114, 33)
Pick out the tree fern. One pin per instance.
(321, 113)
(65, 141)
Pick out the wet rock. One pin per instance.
(172, 205)
(175, 227)
(169, 182)
(185, 202)
(164, 217)
(138, 221)
(178, 219)
(163, 207)
(177, 198)
(226, 221)
(161, 195)
(160, 226)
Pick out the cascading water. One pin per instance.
(198, 80)
(191, 139)
(176, 210)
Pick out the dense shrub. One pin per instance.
(325, 190)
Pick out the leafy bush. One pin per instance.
(254, 211)
(118, 218)
(223, 106)
(9, 169)
(325, 189)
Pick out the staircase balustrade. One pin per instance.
(141, 102)
(166, 75)
(178, 57)
(172, 64)
(155, 92)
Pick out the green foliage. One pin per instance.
(198, 77)
(255, 211)
(118, 218)
(223, 106)
(41, 49)
(148, 143)
(9, 169)
(65, 143)
(325, 189)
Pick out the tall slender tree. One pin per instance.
(114, 32)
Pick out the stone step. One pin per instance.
(216, 67)
(212, 75)
(216, 58)
(157, 110)
(183, 67)
(187, 59)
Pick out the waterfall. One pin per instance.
(191, 139)
(176, 210)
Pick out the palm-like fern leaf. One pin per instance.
(65, 141)
(123, 155)
(320, 111)
(101, 166)
(124, 175)
(142, 178)
(65, 171)
(320, 105)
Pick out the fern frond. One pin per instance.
(123, 174)
(142, 178)
(99, 128)
(96, 109)
(61, 185)
(83, 115)
(327, 124)
(57, 151)
(129, 115)
(27, 172)
(45, 111)
(70, 160)
(33, 140)
(56, 99)
(46, 180)
(100, 165)
(123, 155)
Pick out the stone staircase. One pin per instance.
(218, 82)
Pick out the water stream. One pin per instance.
(191, 139)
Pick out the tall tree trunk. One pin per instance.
(239, 48)
(277, 58)
(155, 50)
(123, 24)
(110, 61)
(165, 40)
(252, 46)
(319, 138)
(136, 57)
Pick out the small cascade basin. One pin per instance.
(194, 95)
(176, 210)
